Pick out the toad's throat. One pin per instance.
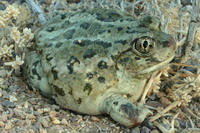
(155, 67)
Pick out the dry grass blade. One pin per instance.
(194, 23)
(36, 9)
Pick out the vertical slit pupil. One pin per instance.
(145, 44)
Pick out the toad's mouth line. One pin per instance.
(156, 66)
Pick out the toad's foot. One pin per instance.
(123, 111)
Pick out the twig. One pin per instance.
(174, 104)
(194, 23)
(55, 4)
(192, 114)
(148, 87)
(36, 9)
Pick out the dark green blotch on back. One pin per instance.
(123, 42)
(49, 58)
(36, 63)
(66, 23)
(132, 30)
(70, 91)
(102, 43)
(63, 16)
(73, 60)
(79, 101)
(87, 87)
(102, 65)
(59, 44)
(69, 34)
(83, 42)
(124, 60)
(89, 75)
(101, 79)
(108, 16)
(137, 58)
(85, 25)
(71, 70)
(59, 91)
(119, 28)
(129, 109)
(116, 103)
(102, 31)
(50, 29)
(55, 74)
(89, 53)
(148, 59)
(34, 72)
(110, 25)
(49, 45)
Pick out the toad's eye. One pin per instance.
(143, 45)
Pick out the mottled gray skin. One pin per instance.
(88, 60)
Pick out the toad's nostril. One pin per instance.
(166, 43)
(169, 43)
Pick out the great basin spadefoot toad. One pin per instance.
(88, 60)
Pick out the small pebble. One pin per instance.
(1, 108)
(2, 124)
(46, 110)
(12, 98)
(43, 131)
(94, 118)
(75, 118)
(20, 123)
(8, 104)
(56, 107)
(135, 130)
(166, 126)
(28, 122)
(3, 117)
(198, 125)
(12, 88)
(155, 131)
(19, 107)
(87, 117)
(31, 116)
(58, 129)
(26, 104)
(31, 131)
(8, 126)
(53, 114)
(19, 113)
(36, 113)
(40, 111)
(64, 121)
(55, 120)
(145, 130)
(44, 122)
(3, 73)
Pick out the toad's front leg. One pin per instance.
(123, 111)
(35, 75)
